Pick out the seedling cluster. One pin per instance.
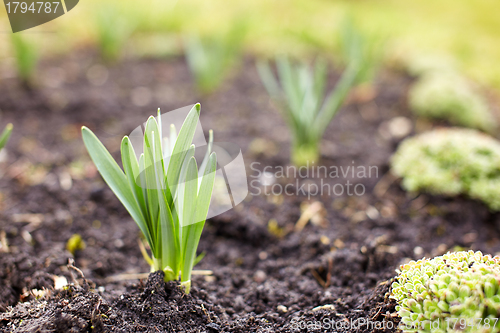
(164, 191)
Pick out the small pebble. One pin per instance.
(282, 309)
(259, 276)
(400, 127)
(329, 307)
(470, 237)
(372, 212)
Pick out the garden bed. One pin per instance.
(267, 277)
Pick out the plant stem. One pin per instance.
(305, 154)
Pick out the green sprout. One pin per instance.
(26, 56)
(210, 59)
(301, 98)
(113, 30)
(456, 292)
(4, 137)
(449, 162)
(75, 243)
(163, 191)
(354, 43)
(449, 97)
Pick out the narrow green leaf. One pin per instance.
(182, 144)
(179, 197)
(5, 135)
(190, 193)
(207, 154)
(115, 178)
(142, 182)
(150, 175)
(169, 238)
(205, 190)
(199, 258)
(131, 168)
(289, 82)
(336, 98)
(269, 81)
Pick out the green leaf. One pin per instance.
(199, 258)
(194, 230)
(5, 135)
(207, 154)
(152, 182)
(188, 228)
(115, 178)
(335, 100)
(168, 238)
(131, 168)
(269, 81)
(182, 144)
(205, 190)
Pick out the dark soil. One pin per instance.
(267, 277)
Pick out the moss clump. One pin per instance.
(423, 64)
(450, 162)
(456, 292)
(449, 97)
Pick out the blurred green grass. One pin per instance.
(467, 30)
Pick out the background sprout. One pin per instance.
(26, 56)
(75, 243)
(449, 97)
(456, 292)
(4, 137)
(164, 191)
(210, 59)
(354, 43)
(301, 97)
(450, 162)
(113, 29)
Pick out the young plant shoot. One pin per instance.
(164, 191)
(4, 137)
(26, 57)
(210, 59)
(354, 42)
(113, 28)
(301, 98)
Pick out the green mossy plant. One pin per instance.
(449, 97)
(456, 292)
(449, 162)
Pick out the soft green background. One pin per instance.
(468, 30)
